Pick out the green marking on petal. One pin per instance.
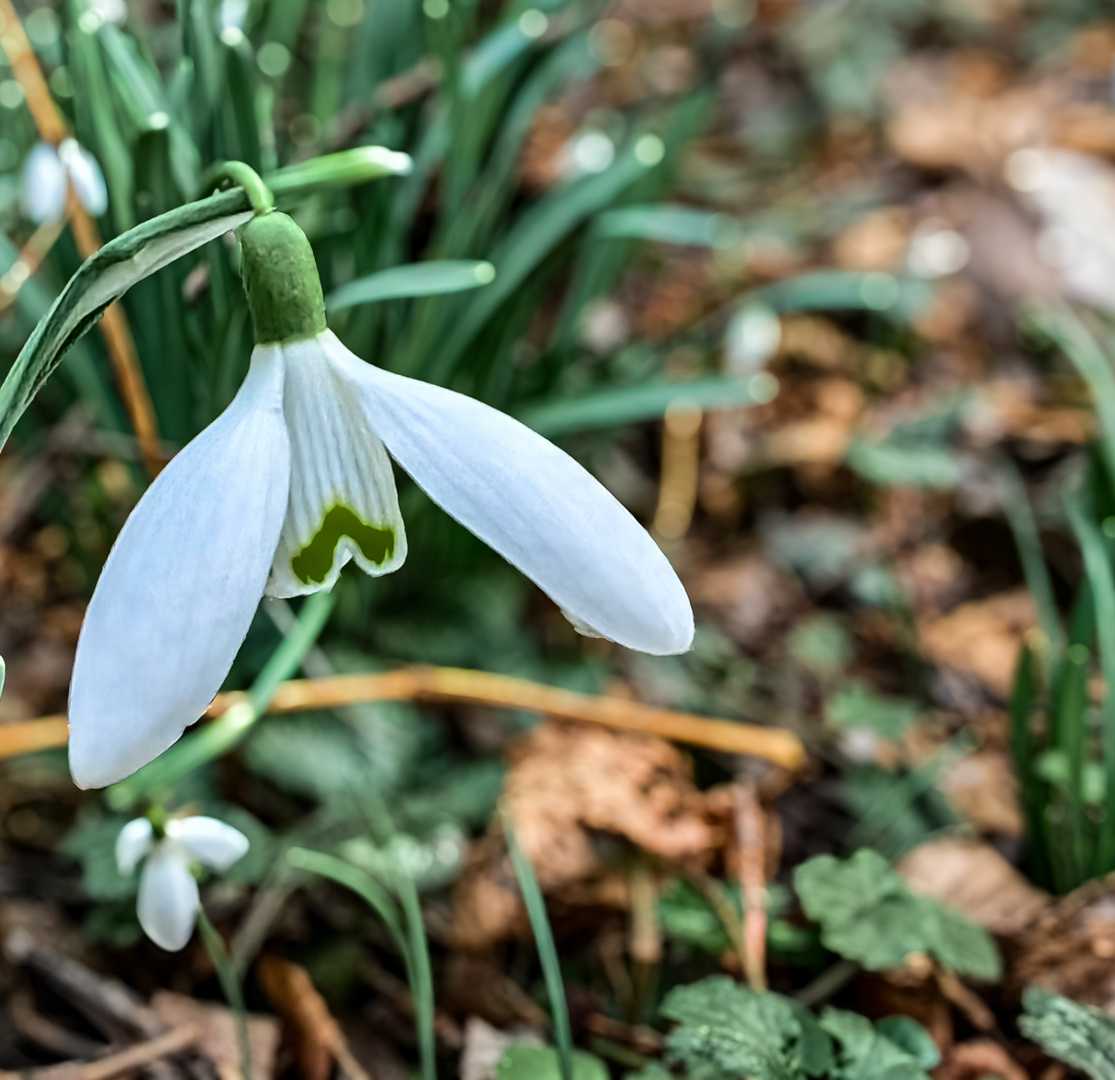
(315, 560)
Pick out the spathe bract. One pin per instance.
(293, 481)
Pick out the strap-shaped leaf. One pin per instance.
(105, 277)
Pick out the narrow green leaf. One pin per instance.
(104, 278)
(547, 950)
(668, 224)
(418, 279)
(361, 883)
(633, 404)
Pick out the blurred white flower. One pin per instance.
(586, 153)
(46, 173)
(293, 481)
(168, 896)
(110, 11)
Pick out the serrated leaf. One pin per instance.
(879, 937)
(864, 1053)
(834, 891)
(960, 944)
(105, 277)
(733, 1031)
(1076, 1034)
(867, 914)
(541, 1063)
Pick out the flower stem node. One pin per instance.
(281, 280)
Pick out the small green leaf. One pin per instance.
(834, 892)
(1076, 1034)
(864, 1053)
(867, 914)
(857, 705)
(687, 916)
(907, 1033)
(541, 1063)
(727, 1029)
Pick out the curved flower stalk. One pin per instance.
(47, 174)
(168, 896)
(293, 481)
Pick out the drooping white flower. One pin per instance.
(293, 481)
(168, 896)
(47, 172)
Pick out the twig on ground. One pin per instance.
(436, 685)
(179, 1038)
(108, 1003)
(48, 1034)
(751, 849)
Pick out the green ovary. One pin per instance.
(315, 560)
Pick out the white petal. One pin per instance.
(85, 175)
(343, 503)
(208, 840)
(534, 504)
(134, 843)
(43, 186)
(180, 587)
(168, 897)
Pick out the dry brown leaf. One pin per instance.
(218, 1039)
(981, 638)
(746, 595)
(981, 787)
(978, 1059)
(485, 1046)
(875, 242)
(818, 341)
(316, 1036)
(577, 796)
(976, 880)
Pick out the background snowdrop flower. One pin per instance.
(45, 175)
(168, 895)
(293, 481)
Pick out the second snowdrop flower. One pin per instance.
(293, 481)
(168, 895)
(47, 174)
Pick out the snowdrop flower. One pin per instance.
(49, 170)
(293, 481)
(168, 897)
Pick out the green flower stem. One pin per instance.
(544, 942)
(236, 172)
(219, 737)
(230, 985)
(420, 972)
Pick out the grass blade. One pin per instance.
(547, 950)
